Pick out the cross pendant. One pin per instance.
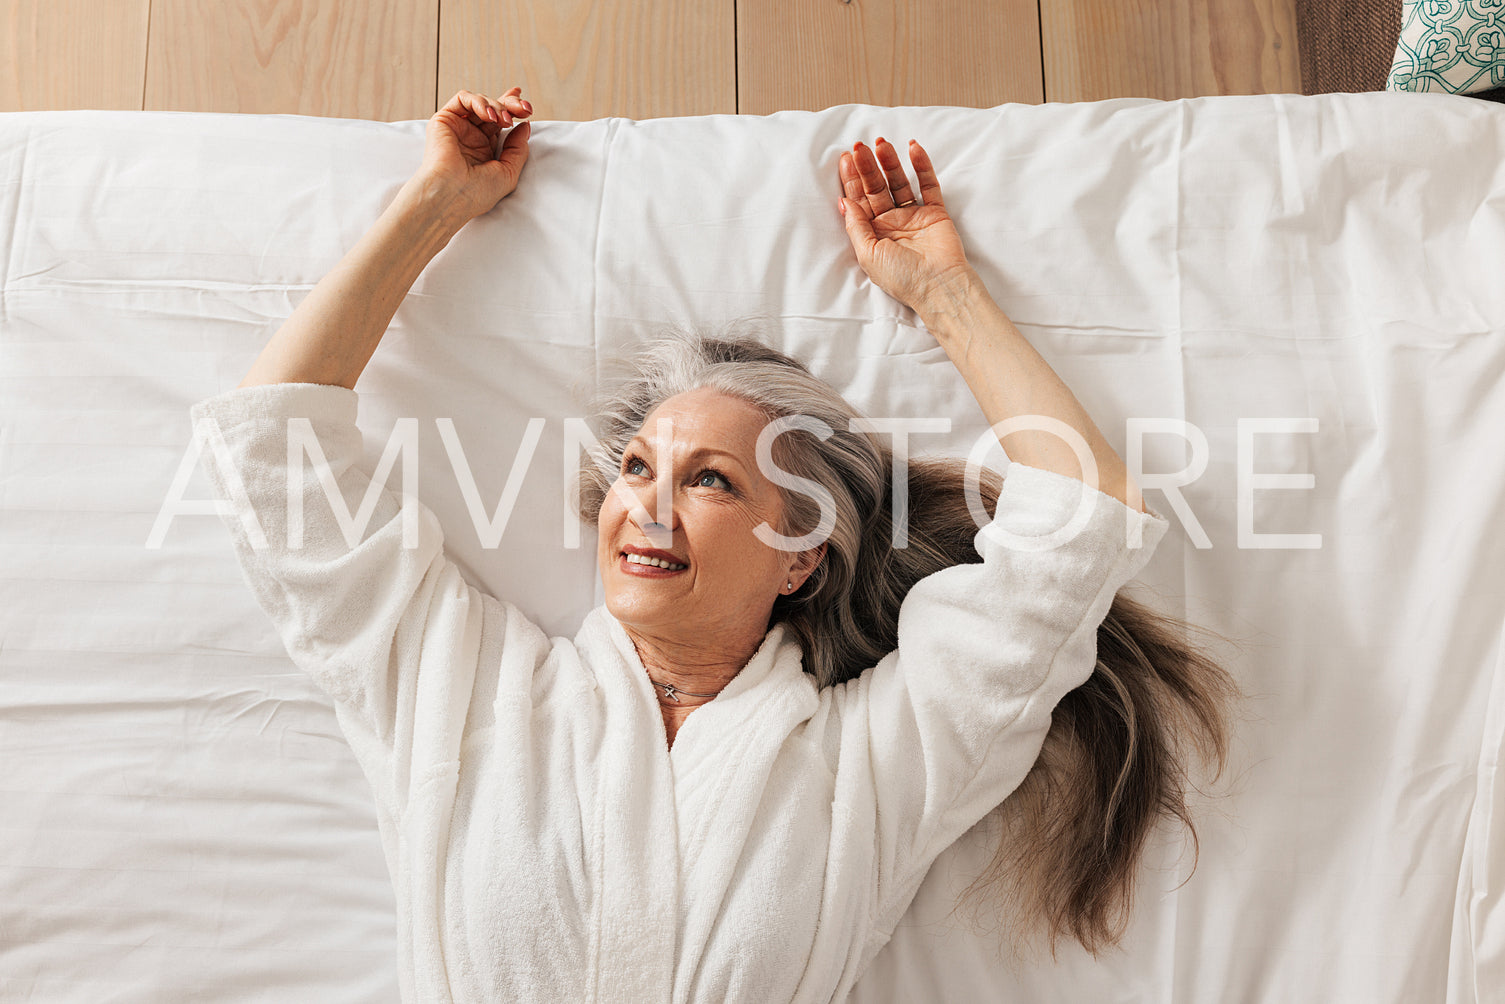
(669, 690)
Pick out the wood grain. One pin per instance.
(64, 54)
(586, 59)
(375, 59)
(576, 59)
(812, 54)
(1096, 49)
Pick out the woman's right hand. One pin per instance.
(913, 253)
(466, 161)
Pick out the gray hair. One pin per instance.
(1117, 759)
(845, 615)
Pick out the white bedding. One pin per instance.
(182, 819)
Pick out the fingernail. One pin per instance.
(882, 140)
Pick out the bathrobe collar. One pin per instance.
(771, 691)
(663, 805)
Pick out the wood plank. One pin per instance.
(370, 60)
(67, 54)
(585, 59)
(1168, 49)
(812, 54)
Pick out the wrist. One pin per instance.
(959, 303)
(426, 206)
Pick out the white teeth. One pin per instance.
(640, 559)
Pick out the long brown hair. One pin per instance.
(1117, 757)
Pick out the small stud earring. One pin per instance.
(789, 585)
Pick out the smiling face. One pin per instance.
(725, 590)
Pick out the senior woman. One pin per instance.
(729, 785)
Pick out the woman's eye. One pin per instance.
(706, 479)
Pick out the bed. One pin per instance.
(1286, 310)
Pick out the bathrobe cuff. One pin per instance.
(279, 401)
(359, 604)
(959, 712)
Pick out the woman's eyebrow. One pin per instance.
(699, 451)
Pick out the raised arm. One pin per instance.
(466, 171)
(914, 254)
(353, 574)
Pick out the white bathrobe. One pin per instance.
(544, 841)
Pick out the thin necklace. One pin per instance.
(673, 691)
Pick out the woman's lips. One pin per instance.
(646, 571)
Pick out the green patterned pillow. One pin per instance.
(1450, 45)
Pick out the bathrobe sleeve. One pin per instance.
(957, 715)
(361, 613)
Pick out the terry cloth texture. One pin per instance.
(544, 841)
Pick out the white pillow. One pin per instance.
(1450, 45)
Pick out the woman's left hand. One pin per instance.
(466, 160)
(904, 240)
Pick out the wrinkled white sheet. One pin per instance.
(181, 817)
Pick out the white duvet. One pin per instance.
(1287, 311)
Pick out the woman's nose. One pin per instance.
(656, 520)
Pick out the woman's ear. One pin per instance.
(808, 559)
